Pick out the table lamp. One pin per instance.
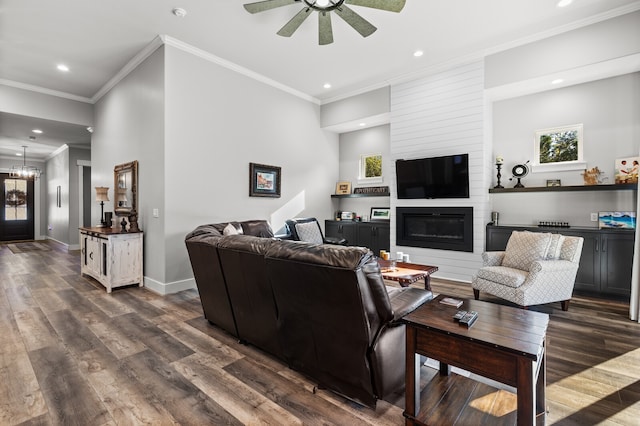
(102, 196)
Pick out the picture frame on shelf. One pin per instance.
(627, 170)
(264, 180)
(380, 213)
(617, 220)
(553, 182)
(343, 188)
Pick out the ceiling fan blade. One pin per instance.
(262, 6)
(389, 5)
(291, 26)
(361, 25)
(325, 33)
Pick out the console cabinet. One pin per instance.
(374, 235)
(112, 257)
(605, 263)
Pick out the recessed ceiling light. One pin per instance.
(90, 129)
(38, 131)
(179, 12)
(418, 53)
(327, 86)
(62, 67)
(363, 124)
(557, 81)
(19, 154)
(563, 3)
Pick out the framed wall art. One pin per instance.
(627, 170)
(264, 181)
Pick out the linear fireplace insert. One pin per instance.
(444, 228)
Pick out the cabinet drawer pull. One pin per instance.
(91, 255)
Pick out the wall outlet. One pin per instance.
(156, 213)
(594, 217)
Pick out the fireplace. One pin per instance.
(444, 228)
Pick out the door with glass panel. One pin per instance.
(16, 212)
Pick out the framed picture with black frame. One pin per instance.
(264, 181)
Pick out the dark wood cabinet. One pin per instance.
(605, 263)
(374, 235)
(341, 229)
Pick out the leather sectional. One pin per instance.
(323, 309)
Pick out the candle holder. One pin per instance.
(499, 167)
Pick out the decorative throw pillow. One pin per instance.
(233, 228)
(555, 247)
(524, 248)
(309, 232)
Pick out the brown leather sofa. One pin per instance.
(323, 309)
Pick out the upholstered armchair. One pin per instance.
(535, 268)
(308, 229)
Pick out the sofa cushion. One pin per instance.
(555, 247)
(257, 228)
(504, 275)
(321, 254)
(233, 228)
(524, 248)
(309, 232)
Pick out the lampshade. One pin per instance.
(102, 193)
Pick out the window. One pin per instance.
(370, 168)
(559, 148)
(15, 195)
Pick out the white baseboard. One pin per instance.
(169, 288)
(69, 247)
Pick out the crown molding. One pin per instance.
(130, 66)
(235, 67)
(56, 152)
(44, 91)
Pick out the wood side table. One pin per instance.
(505, 344)
(407, 273)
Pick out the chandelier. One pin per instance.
(23, 171)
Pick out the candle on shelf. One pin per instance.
(499, 159)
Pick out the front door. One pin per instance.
(16, 209)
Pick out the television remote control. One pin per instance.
(469, 318)
(459, 315)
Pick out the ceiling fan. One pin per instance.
(323, 7)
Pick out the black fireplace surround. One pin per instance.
(443, 228)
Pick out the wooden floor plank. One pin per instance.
(70, 353)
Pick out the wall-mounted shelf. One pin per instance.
(375, 194)
(628, 186)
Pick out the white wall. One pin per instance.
(443, 114)
(129, 125)
(217, 122)
(608, 109)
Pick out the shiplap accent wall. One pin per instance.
(444, 114)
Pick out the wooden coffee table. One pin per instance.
(505, 344)
(407, 273)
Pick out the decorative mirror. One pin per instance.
(125, 201)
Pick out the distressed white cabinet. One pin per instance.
(112, 257)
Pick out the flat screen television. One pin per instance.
(435, 177)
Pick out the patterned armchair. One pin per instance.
(308, 229)
(535, 268)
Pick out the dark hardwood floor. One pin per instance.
(72, 354)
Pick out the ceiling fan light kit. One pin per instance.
(324, 9)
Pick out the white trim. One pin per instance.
(44, 91)
(168, 40)
(85, 163)
(60, 149)
(130, 66)
(578, 164)
(69, 247)
(169, 288)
